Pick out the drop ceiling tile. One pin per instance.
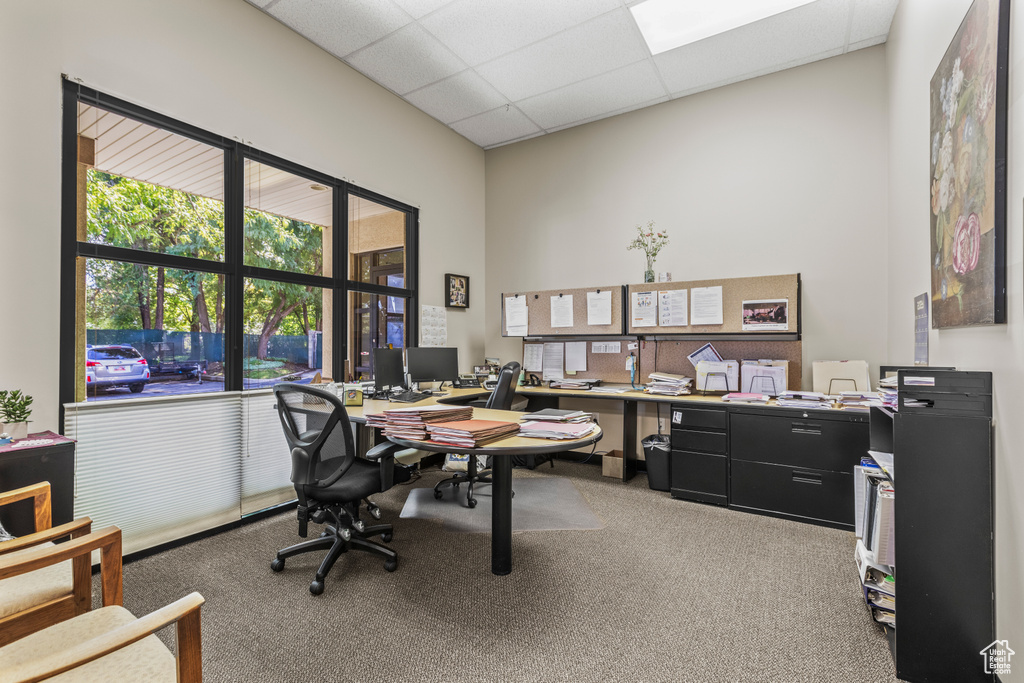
(481, 30)
(418, 8)
(406, 60)
(602, 94)
(340, 27)
(871, 19)
(461, 96)
(603, 44)
(771, 43)
(496, 126)
(624, 110)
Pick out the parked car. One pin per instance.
(115, 365)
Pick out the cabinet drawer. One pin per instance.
(699, 440)
(699, 417)
(815, 494)
(798, 441)
(699, 476)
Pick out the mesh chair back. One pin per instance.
(318, 433)
(505, 390)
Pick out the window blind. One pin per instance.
(266, 459)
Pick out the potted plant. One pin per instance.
(14, 409)
(650, 241)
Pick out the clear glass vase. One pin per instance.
(649, 273)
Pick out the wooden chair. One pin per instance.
(35, 592)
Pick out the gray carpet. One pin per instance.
(548, 503)
(667, 591)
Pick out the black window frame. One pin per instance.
(232, 267)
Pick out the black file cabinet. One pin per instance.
(700, 454)
(796, 463)
(53, 462)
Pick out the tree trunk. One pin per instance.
(270, 325)
(201, 309)
(142, 294)
(159, 322)
(219, 305)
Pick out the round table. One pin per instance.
(501, 508)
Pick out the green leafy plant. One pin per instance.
(14, 406)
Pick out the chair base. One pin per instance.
(334, 540)
(471, 477)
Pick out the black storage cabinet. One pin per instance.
(20, 467)
(700, 453)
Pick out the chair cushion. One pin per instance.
(361, 480)
(19, 593)
(146, 660)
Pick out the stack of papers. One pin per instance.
(470, 433)
(378, 420)
(556, 430)
(737, 397)
(665, 384)
(556, 415)
(611, 389)
(411, 423)
(579, 384)
(859, 400)
(804, 399)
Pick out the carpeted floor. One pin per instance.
(667, 591)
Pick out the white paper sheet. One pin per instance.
(575, 356)
(553, 354)
(644, 309)
(533, 357)
(433, 326)
(599, 307)
(516, 316)
(706, 352)
(706, 306)
(561, 310)
(672, 310)
(606, 347)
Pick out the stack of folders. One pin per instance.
(378, 420)
(555, 430)
(664, 384)
(737, 397)
(556, 415)
(411, 423)
(470, 433)
(803, 399)
(859, 400)
(879, 587)
(577, 384)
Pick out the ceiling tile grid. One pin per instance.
(499, 71)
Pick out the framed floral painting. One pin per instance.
(968, 171)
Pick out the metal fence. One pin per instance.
(163, 347)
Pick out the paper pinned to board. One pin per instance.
(561, 310)
(575, 356)
(644, 309)
(672, 308)
(706, 305)
(599, 307)
(533, 357)
(606, 347)
(433, 326)
(516, 316)
(553, 360)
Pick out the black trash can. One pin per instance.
(656, 450)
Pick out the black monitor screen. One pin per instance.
(433, 364)
(387, 368)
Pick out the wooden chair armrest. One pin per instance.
(184, 612)
(40, 493)
(83, 525)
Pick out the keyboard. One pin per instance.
(408, 397)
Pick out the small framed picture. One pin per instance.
(456, 291)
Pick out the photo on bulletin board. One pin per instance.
(968, 171)
(456, 288)
(766, 315)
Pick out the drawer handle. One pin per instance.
(809, 428)
(806, 477)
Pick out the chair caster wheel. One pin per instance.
(389, 565)
(438, 495)
(471, 502)
(316, 588)
(374, 512)
(277, 564)
(387, 536)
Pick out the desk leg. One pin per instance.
(501, 514)
(628, 440)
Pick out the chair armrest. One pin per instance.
(107, 541)
(41, 494)
(83, 525)
(384, 453)
(184, 612)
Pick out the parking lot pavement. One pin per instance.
(174, 387)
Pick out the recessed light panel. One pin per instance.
(668, 24)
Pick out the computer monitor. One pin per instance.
(387, 369)
(432, 364)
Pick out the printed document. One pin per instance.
(645, 309)
(561, 310)
(516, 316)
(533, 357)
(672, 308)
(599, 307)
(575, 356)
(706, 306)
(553, 353)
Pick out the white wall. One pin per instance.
(224, 66)
(780, 174)
(921, 32)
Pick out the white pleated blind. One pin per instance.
(161, 468)
(266, 460)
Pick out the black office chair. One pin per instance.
(501, 399)
(330, 480)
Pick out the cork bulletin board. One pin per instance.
(538, 304)
(734, 292)
(609, 367)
